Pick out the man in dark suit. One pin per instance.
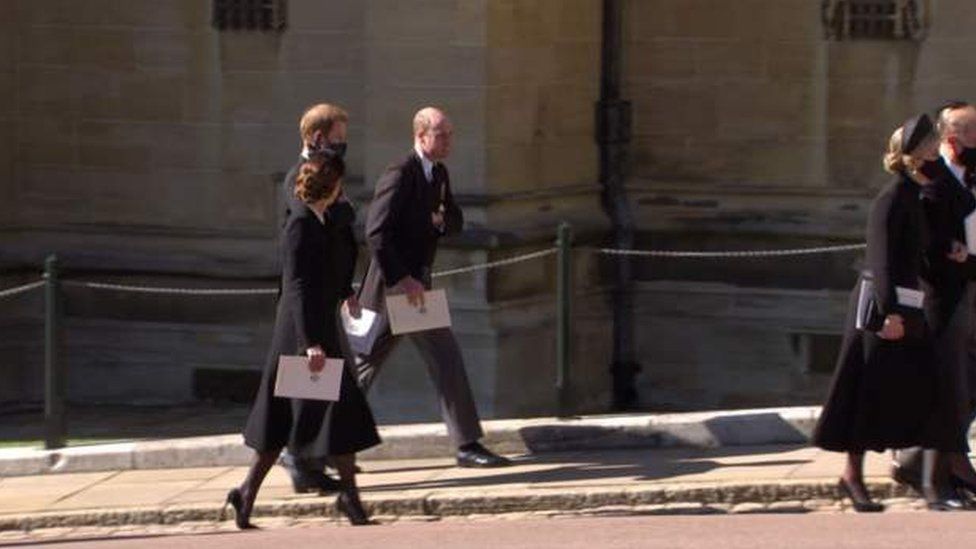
(413, 206)
(949, 200)
(323, 133)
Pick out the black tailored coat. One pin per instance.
(949, 309)
(883, 392)
(947, 203)
(401, 236)
(316, 276)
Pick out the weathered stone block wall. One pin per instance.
(157, 123)
(748, 120)
(542, 85)
(146, 148)
(8, 99)
(754, 131)
(415, 56)
(134, 137)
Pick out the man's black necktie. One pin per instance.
(438, 177)
(969, 178)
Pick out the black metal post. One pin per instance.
(613, 135)
(54, 420)
(564, 293)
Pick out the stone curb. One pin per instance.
(783, 497)
(510, 436)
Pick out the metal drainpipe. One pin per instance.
(613, 116)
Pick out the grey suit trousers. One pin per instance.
(445, 365)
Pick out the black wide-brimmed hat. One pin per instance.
(914, 131)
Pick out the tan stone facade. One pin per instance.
(141, 140)
(750, 96)
(143, 145)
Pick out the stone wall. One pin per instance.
(753, 131)
(144, 146)
(747, 120)
(543, 83)
(159, 125)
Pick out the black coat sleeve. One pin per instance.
(963, 205)
(382, 222)
(342, 215)
(941, 219)
(947, 205)
(289, 201)
(302, 288)
(453, 217)
(350, 250)
(884, 226)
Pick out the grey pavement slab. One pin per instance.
(429, 440)
(769, 478)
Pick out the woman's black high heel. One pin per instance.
(348, 504)
(861, 505)
(236, 500)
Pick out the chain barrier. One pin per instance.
(726, 254)
(274, 291)
(10, 292)
(173, 291)
(494, 264)
(450, 272)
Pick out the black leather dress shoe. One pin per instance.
(908, 478)
(477, 456)
(308, 482)
(945, 505)
(963, 491)
(945, 499)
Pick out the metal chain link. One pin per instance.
(10, 292)
(274, 291)
(494, 264)
(176, 291)
(450, 272)
(718, 255)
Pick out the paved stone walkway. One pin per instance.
(648, 481)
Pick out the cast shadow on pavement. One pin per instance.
(736, 429)
(610, 468)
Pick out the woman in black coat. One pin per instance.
(317, 271)
(884, 388)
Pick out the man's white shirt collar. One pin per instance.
(319, 216)
(427, 164)
(958, 171)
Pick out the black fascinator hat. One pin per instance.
(915, 131)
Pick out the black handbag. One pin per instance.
(870, 319)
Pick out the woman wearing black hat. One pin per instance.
(884, 388)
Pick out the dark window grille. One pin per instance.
(253, 15)
(874, 19)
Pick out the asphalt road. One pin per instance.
(833, 531)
